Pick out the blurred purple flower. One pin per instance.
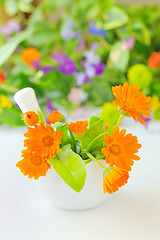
(129, 43)
(47, 68)
(36, 64)
(147, 120)
(99, 68)
(68, 67)
(70, 23)
(94, 45)
(81, 78)
(90, 70)
(92, 66)
(68, 32)
(87, 79)
(10, 27)
(49, 107)
(78, 34)
(60, 58)
(92, 57)
(93, 69)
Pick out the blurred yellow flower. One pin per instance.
(109, 113)
(140, 75)
(155, 102)
(5, 102)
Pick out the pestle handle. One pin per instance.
(26, 100)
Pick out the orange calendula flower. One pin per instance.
(2, 77)
(120, 149)
(30, 55)
(33, 165)
(154, 60)
(31, 118)
(78, 127)
(55, 116)
(113, 179)
(43, 140)
(106, 126)
(131, 102)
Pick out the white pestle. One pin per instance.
(26, 100)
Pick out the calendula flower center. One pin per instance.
(47, 141)
(36, 160)
(115, 149)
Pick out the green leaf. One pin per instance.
(97, 153)
(7, 50)
(11, 116)
(41, 117)
(141, 33)
(59, 124)
(115, 18)
(119, 56)
(65, 138)
(70, 167)
(99, 140)
(93, 120)
(73, 139)
(95, 130)
(110, 130)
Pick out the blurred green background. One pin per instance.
(72, 54)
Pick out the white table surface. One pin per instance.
(131, 214)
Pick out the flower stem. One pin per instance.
(82, 150)
(119, 119)
(94, 159)
(73, 138)
(87, 161)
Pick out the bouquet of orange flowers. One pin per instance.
(68, 148)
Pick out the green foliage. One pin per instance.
(70, 167)
(2, 1)
(99, 91)
(95, 130)
(11, 116)
(156, 88)
(97, 153)
(7, 50)
(115, 18)
(12, 7)
(98, 141)
(156, 114)
(41, 118)
(93, 120)
(65, 137)
(119, 56)
(141, 33)
(42, 28)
